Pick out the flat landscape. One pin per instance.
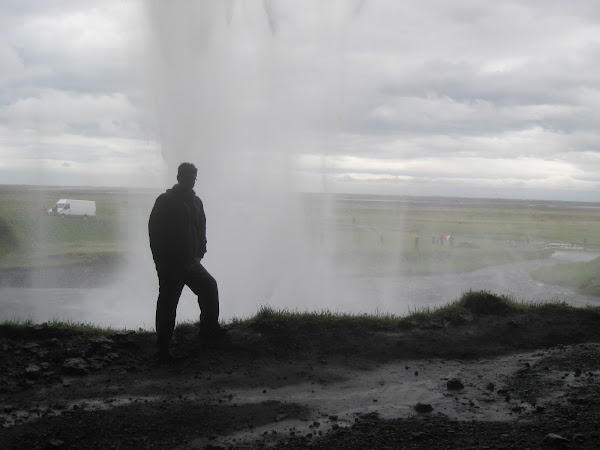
(362, 235)
(485, 371)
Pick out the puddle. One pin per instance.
(11, 417)
(392, 391)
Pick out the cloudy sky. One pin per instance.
(423, 97)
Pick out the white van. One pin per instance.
(67, 207)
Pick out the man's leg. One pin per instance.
(170, 287)
(205, 287)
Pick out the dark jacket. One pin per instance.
(177, 229)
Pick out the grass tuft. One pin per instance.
(487, 303)
(269, 317)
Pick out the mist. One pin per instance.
(225, 99)
(271, 100)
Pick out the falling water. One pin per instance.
(231, 99)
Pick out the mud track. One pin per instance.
(517, 380)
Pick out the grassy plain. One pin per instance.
(584, 277)
(382, 234)
(366, 235)
(28, 238)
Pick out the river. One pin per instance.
(127, 304)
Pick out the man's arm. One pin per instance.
(201, 228)
(157, 230)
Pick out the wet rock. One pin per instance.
(32, 371)
(55, 443)
(76, 366)
(31, 346)
(465, 317)
(102, 341)
(423, 407)
(121, 334)
(432, 324)
(40, 327)
(552, 438)
(454, 384)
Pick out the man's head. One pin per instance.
(186, 176)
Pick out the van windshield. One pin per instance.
(60, 205)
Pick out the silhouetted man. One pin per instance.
(177, 230)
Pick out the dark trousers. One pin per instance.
(171, 284)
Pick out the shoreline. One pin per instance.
(298, 383)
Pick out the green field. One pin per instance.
(381, 235)
(28, 238)
(584, 277)
(364, 235)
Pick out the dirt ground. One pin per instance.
(513, 380)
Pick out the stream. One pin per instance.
(129, 302)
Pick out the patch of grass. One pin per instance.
(59, 327)
(268, 315)
(486, 303)
(471, 302)
(584, 277)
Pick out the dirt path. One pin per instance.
(514, 380)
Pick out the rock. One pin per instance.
(32, 370)
(578, 372)
(552, 438)
(423, 407)
(102, 341)
(455, 384)
(490, 386)
(76, 366)
(31, 346)
(466, 317)
(121, 334)
(40, 327)
(55, 443)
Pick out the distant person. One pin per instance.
(417, 242)
(450, 240)
(177, 230)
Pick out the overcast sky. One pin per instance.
(424, 97)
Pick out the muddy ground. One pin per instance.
(512, 380)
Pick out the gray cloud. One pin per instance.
(415, 92)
